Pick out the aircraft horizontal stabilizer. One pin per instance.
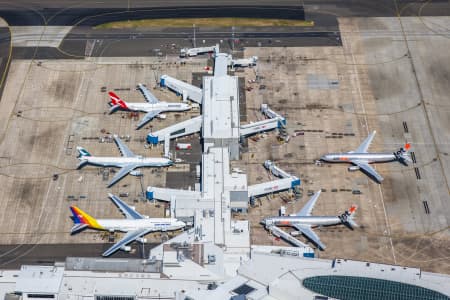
(78, 227)
(113, 108)
(82, 164)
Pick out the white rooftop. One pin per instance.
(41, 279)
(220, 103)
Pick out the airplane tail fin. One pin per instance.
(403, 155)
(82, 220)
(116, 102)
(82, 152)
(347, 217)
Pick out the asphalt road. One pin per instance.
(66, 12)
(13, 256)
(91, 16)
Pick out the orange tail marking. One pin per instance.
(407, 146)
(352, 209)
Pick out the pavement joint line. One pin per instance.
(8, 62)
(422, 100)
(367, 129)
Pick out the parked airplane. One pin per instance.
(135, 225)
(303, 222)
(153, 107)
(128, 162)
(361, 159)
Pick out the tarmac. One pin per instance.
(14, 256)
(384, 77)
(334, 97)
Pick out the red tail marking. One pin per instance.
(407, 146)
(122, 104)
(352, 209)
(114, 98)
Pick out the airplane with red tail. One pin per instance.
(360, 158)
(153, 107)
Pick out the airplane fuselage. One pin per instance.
(125, 225)
(123, 161)
(369, 157)
(160, 106)
(302, 220)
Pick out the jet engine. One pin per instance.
(353, 168)
(125, 248)
(136, 173)
(142, 240)
(295, 233)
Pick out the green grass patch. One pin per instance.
(204, 22)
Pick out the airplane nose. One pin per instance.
(263, 222)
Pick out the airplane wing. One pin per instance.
(306, 210)
(129, 237)
(149, 97)
(310, 234)
(148, 116)
(365, 145)
(122, 173)
(128, 211)
(122, 147)
(368, 170)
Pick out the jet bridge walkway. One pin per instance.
(275, 121)
(167, 194)
(286, 182)
(184, 128)
(199, 50)
(186, 90)
(273, 115)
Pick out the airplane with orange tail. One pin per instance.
(361, 159)
(135, 225)
(303, 221)
(153, 107)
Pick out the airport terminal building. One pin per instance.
(266, 275)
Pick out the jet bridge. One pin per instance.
(186, 90)
(275, 121)
(184, 128)
(167, 195)
(269, 165)
(286, 182)
(199, 50)
(273, 115)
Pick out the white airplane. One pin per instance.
(153, 107)
(135, 225)
(303, 221)
(128, 162)
(361, 159)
